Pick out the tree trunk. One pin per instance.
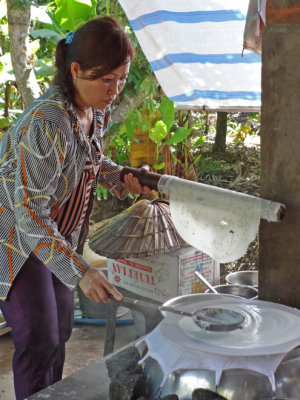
(220, 139)
(18, 24)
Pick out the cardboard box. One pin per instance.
(165, 276)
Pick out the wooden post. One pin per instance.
(279, 258)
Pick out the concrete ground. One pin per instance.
(84, 347)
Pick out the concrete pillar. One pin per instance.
(279, 258)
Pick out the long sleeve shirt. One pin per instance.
(42, 158)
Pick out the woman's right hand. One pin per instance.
(97, 287)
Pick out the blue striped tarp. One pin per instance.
(195, 48)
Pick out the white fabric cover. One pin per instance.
(195, 50)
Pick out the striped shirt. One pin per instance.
(72, 214)
(42, 159)
(86, 189)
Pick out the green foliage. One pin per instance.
(141, 77)
(56, 21)
(10, 101)
(181, 134)
(239, 131)
(162, 127)
(167, 110)
(6, 69)
(159, 166)
(122, 140)
(71, 14)
(49, 34)
(133, 119)
(159, 118)
(209, 169)
(4, 123)
(51, 21)
(200, 141)
(101, 192)
(158, 132)
(43, 68)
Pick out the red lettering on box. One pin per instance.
(131, 273)
(135, 265)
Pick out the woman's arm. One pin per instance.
(42, 150)
(109, 177)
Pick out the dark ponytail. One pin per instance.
(63, 76)
(100, 44)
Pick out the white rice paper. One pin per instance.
(220, 222)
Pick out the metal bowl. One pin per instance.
(287, 378)
(248, 292)
(239, 383)
(183, 382)
(235, 384)
(152, 377)
(248, 278)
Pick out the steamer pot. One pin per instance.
(249, 278)
(269, 370)
(247, 292)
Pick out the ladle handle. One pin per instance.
(206, 283)
(137, 303)
(145, 178)
(131, 302)
(176, 311)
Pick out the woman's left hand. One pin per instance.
(132, 184)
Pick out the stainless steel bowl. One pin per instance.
(238, 384)
(235, 384)
(248, 292)
(248, 278)
(152, 377)
(287, 377)
(184, 382)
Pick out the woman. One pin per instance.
(51, 161)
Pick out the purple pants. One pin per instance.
(39, 309)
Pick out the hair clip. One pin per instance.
(69, 38)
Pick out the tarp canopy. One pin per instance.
(195, 48)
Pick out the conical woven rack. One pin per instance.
(143, 230)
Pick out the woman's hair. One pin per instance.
(100, 44)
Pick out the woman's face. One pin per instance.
(101, 92)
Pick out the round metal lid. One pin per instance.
(267, 328)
